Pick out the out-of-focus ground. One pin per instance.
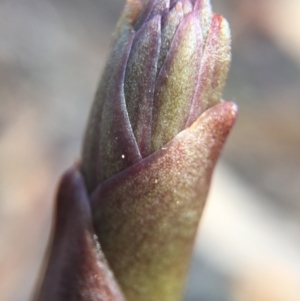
(51, 55)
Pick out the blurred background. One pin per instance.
(51, 56)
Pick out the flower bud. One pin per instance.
(155, 131)
(168, 64)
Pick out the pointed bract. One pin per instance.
(146, 217)
(140, 80)
(159, 8)
(110, 145)
(170, 22)
(204, 10)
(176, 82)
(77, 269)
(215, 64)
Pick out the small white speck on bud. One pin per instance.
(123, 156)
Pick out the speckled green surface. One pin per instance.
(146, 217)
(176, 83)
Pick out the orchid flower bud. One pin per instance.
(155, 132)
(168, 64)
